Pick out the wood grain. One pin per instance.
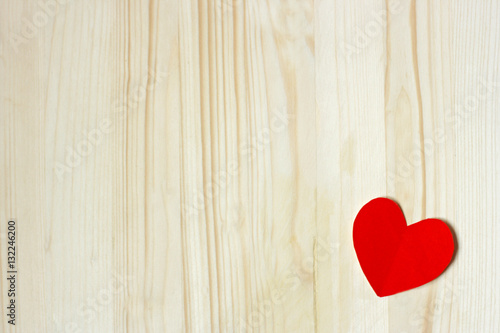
(196, 166)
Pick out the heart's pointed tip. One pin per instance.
(386, 293)
(381, 294)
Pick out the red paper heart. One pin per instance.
(396, 257)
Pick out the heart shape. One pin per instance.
(395, 257)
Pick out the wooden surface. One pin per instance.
(196, 166)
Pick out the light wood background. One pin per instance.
(196, 166)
